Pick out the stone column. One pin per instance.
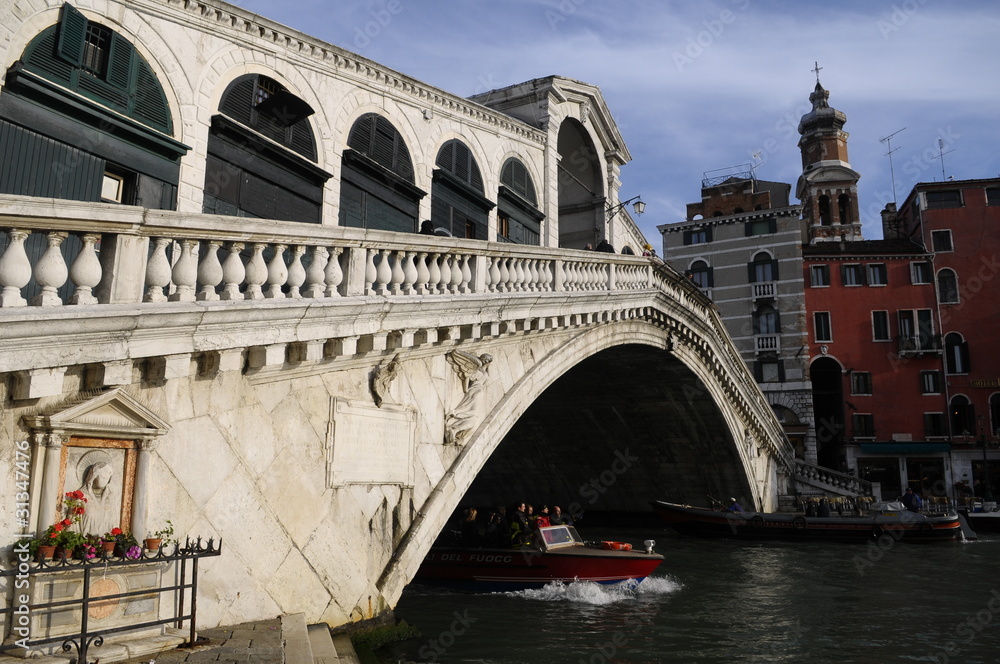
(141, 490)
(49, 499)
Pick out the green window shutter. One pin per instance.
(72, 34)
(150, 102)
(120, 62)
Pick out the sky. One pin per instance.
(700, 86)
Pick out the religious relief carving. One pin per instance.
(466, 416)
(382, 378)
(102, 489)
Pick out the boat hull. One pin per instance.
(986, 522)
(905, 526)
(514, 569)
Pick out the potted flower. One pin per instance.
(160, 537)
(109, 540)
(68, 542)
(125, 544)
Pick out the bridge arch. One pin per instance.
(688, 379)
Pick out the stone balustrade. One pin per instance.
(831, 479)
(48, 262)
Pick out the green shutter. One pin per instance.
(150, 104)
(72, 34)
(120, 62)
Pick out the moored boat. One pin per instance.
(884, 518)
(983, 521)
(559, 555)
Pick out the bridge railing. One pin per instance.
(91, 254)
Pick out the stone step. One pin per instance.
(295, 635)
(322, 645)
(345, 651)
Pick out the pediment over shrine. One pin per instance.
(112, 413)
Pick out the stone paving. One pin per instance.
(255, 642)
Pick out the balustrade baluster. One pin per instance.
(423, 274)
(256, 273)
(456, 273)
(209, 271)
(314, 275)
(157, 272)
(466, 274)
(504, 275)
(434, 273)
(296, 273)
(334, 273)
(51, 272)
(86, 271)
(533, 284)
(277, 274)
(233, 273)
(517, 274)
(398, 275)
(547, 276)
(383, 273)
(409, 272)
(493, 284)
(15, 269)
(185, 273)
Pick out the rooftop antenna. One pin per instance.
(888, 141)
(757, 161)
(941, 154)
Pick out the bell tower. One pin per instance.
(828, 186)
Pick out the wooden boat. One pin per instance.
(559, 555)
(884, 519)
(982, 521)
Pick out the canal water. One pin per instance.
(728, 602)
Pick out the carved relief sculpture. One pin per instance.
(382, 378)
(466, 416)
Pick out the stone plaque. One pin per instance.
(368, 445)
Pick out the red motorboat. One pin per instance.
(559, 555)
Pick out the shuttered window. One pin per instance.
(518, 217)
(457, 201)
(265, 106)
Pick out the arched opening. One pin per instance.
(262, 153)
(825, 215)
(963, 416)
(581, 192)
(828, 411)
(844, 209)
(766, 320)
(701, 274)
(947, 286)
(795, 430)
(956, 353)
(762, 268)
(377, 190)
(458, 203)
(518, 217)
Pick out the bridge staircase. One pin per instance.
(809, 479)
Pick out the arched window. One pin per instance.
(956, 354)
(963, 416)
(458, 204)
(738, 210)
(763, 268)
(260, 155)
(825, 216)
(844, 208)
(83, 117)
(766, 320)
(947, 286)
(701, 274)
(518, 217)
(377, 187)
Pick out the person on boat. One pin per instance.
(557, 518)
(733, 506)
(824, 508)
(911, 500)
(470, 528)
(520, 530)
(543, 520)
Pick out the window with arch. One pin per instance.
(261, 154)
(458, 204)
(762, 268)
(947, 286)
(844, 208)
(766, 320)
(377, 188)
(518, 217)
(701, 274)
(956, 353)
(963, 416)
(82, 104)
(825, 214)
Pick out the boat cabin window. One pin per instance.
(558, 536)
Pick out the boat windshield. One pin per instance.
(559, 536)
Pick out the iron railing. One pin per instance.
(24, 568)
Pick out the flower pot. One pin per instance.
(152, 543)
(61, 553)
(45, 551)
(108, 547)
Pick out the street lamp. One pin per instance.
(987, 490)
(639, 207)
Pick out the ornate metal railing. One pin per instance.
(19, 614)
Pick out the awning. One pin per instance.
(904, 448)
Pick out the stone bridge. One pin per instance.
(326, 402)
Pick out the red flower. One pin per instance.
(78, 510)
(116, 531)
(67, 522)
(58, 527)
(53, 535)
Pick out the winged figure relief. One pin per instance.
(466, 416)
